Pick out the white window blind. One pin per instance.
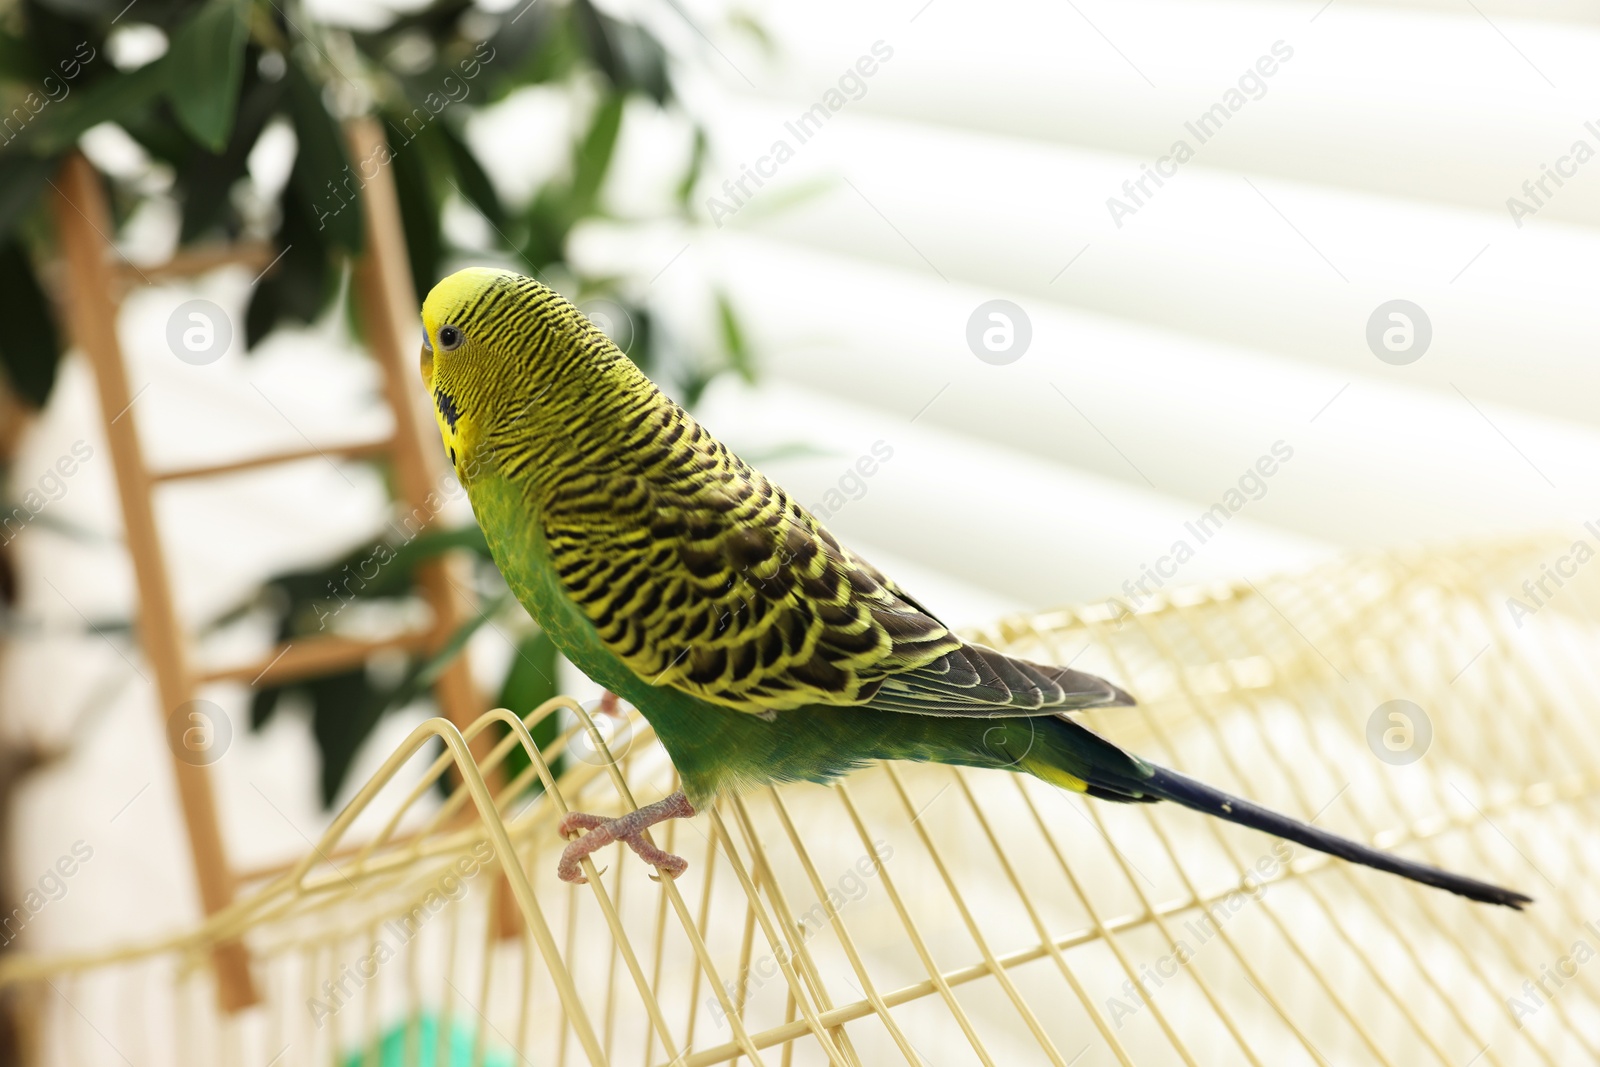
(1339, 156)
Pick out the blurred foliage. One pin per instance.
(344, 708)
(230, 70)
(232, 67)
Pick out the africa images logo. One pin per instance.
(852, 85)
(1251, 85)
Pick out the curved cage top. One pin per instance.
(1427, 702)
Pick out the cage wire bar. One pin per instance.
(935, 915)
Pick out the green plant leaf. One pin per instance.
(302, 599)
(436, 20)
(22, 179)
(424, 673)
(428, 545)
(322, 172)
(29, 349)
(115, 98)
(300, 285)
(208, 178)
(630, 58)
(61, 41)
(593, 156)
(739, 356)
(532, 679)
(419, 208)
(691, 173)
(395, 562)
(263, 705)
(19, 62)
(266, 308)
(537, 44)
(471, 179)
(205, 69)
(344, 709)
(547, 220)
(787, 197)
(743, 20)
(161, 136)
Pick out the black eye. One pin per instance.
(449, 338)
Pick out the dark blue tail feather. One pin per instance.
(1181, 789)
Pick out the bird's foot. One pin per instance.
(629, 829)
(610, 704)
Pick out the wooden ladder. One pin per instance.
(96, 282)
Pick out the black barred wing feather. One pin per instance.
(700, 574)
(740, 598)
(974, 680)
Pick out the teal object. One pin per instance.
(425, 1042)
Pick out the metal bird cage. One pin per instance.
(1428, 702)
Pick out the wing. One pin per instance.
(700, 574)
(974, 680)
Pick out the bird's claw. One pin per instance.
(569, 869)
(664, 862)
(597, 832)
(583, 879)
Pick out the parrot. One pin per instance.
(758, 647)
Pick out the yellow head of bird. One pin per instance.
(502, 356)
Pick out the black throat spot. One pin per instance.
(447, 407)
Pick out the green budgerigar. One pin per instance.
(758, 647)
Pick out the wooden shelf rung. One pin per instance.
(358, 450)
(309, 657)
(256, 256)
